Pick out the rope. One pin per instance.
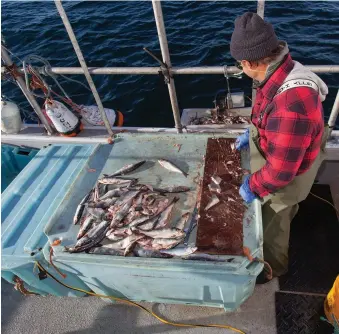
(19, 285)
(326, 201)
(129, 302)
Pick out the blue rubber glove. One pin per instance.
(245, 191)
(242, 141)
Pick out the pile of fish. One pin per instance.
(121, 216)
(220, 119)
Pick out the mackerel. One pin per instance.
(120, 215)
(117, 181)
(171, 166)
(158, 244)
(183, 221)
(166, 233)
(85, 227)
(128, 168)
(172, 189)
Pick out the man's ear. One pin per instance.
(251, 65)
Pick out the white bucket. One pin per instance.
(10, 117)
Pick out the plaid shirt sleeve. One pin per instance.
(289, 131)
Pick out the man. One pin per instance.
(287, 135)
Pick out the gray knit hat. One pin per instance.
(252, 38)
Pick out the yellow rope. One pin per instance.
(126, 301)
(325, 200)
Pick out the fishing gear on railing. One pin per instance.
(62, 118)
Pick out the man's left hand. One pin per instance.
(246, 192)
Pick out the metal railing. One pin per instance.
(169, 75)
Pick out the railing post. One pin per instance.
(29, 96)
(83, 64)
(159, 20)
(334, 113)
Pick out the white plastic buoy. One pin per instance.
(10, 117)
(91, 115)
(63, 119)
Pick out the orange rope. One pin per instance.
(247, 253)
(55, 243)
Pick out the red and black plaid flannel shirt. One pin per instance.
(290, 127)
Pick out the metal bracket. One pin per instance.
(164, 69)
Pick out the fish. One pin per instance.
(105, 251)
(122, 244)
(78, 213)
(145, 242)
(165, 216)
(166, 233)
(139, 221)
(85, 227)
(170, 166)
(117, 181)
(112, 193)
(86, 198)
(172, 189)
(120, 215)
(110, 235)
(149, 224)
(128, 168)
(104, 204)
(140, 252)
(214, 201)
(129, 248)
(93, 231)
(216, 179)
(183, 220)
(97, 213)
(93, 242)
(158, 244)
(130, 195)
(179, 251)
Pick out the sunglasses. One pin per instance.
(239, 65)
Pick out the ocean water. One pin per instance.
(114, 34)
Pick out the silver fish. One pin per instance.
(85, 227)
(140, 252)
(128, 168)
(166, 233)
(104, 204)
(78, 213)
(86, 198)
(149, 224)
(139, 221)
(122, 244)
(172, 189)
(92, 238)
(129, 248)
(165, 217)
(183, 220)
(158, 244)
(105, 251)
(170, 166)
(120, 215)
(117, 181)
(92, 233)
(179, 251)
(96, 212)
(214, 201)
(111, 193)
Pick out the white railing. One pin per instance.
(167, 69)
